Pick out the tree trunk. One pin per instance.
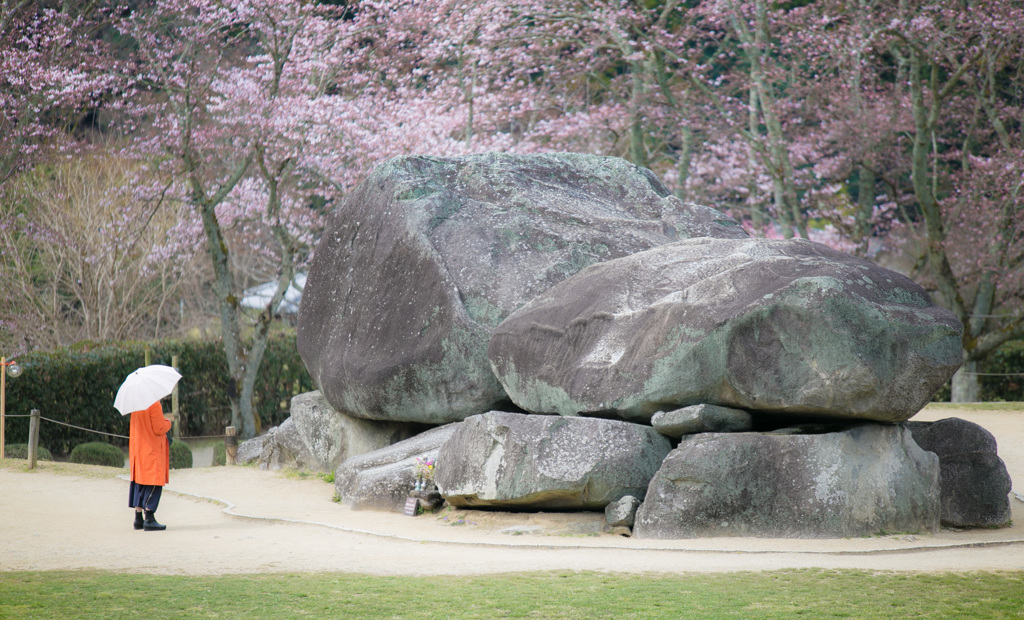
(757, 217)
(966, 386)
(224, 288)
(865, 208)
(230, 330)
(637, 149)
(787, 207)
(685, 160)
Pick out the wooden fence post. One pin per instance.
(33, 438)
(3, 402)
(230, 445)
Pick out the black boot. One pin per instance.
(138, 521)
(150, 524)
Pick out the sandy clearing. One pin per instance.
(242, 520)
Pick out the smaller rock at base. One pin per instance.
(249, 450)
(382, 479)
(622, 512)
(283, 448)
(504, 460)
(975, 483)
(701, 418)
(332, 436)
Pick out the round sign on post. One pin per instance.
(6, 368)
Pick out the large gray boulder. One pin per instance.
(518, 461)
(975, 483)
(383, 479)
(869, 479)
(332, 436)
(423, 259)
(773, 326)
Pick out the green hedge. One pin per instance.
(220, 454)
(181, 455)
(97, 453)
(77, 386)
(20, 451)
(1007, 360)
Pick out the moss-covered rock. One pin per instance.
(766, 326)
(857, 481)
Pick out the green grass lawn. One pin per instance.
(781, 594)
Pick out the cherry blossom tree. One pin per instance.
(861, 124)
(965, 65)
(923, 116)
(232, 88)
(53, 70)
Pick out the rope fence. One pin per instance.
(81, 428)
(230, 437)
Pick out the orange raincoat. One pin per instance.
(149, 456)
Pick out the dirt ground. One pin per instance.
(242, 520)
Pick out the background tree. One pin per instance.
(54, 68)
(230, 88)
(964, 65)
(85, 259)
(889, 131)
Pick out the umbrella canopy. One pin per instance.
(144, 387)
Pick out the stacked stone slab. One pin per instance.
(447, 288)
(769, 326)
(331, 436)
(423, 259)
(382, 479)
(516, 461)
(869, 479)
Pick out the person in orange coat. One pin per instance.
(149, 464)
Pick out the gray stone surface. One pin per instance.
(622, 512)
(869, 479)
(383, 479)
(975, 483)
(249, 450)
(774, 326)
(701, 419)
(423, 259)
(283, 448)
(519, 461)
(332, 436)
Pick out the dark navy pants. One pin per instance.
(145, 496)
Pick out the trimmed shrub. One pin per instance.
(181, 455)
(220, 454)
(98, 453)
(20, 451)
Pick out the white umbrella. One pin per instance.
(144, 387)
